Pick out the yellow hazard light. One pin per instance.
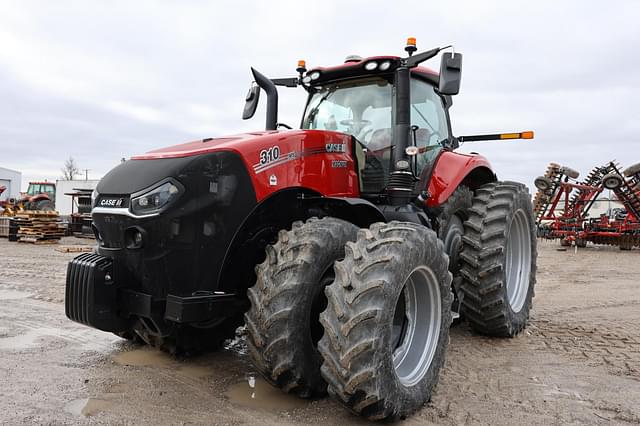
(522, 135)
(302, 64)
(509, 135)
(411, 41)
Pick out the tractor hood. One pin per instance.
(171, 214)
(273, 159)
(225, 143)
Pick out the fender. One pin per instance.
(358, 211)
(453, 169)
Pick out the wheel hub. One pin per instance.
(416, 326)
(518, 261)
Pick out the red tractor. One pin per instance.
(340, 245)
(39, 196)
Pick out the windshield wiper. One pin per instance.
(314, 111)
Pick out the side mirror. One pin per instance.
(251, 102)
(450, 73)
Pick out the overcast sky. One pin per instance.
(99, 81)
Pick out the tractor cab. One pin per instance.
(37, 188)
(395, 111)
(364, 108)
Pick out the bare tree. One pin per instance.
(70, 169)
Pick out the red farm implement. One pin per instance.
(562, 206)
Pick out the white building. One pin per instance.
(64, 202)
(12, 180)
(605, 205)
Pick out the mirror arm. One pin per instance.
(415, 60)
(286, 82)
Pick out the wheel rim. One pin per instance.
(518, 261)
(416, 326)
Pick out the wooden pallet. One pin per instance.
(74, 249)
(38, 241)
(39, 227)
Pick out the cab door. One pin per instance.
(430, 131)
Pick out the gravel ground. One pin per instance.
(577, 363)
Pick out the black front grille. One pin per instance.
(184, 246)
(91, 294)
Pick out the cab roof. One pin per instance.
(355, 68)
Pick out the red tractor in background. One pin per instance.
(340, 245)
(39, 196)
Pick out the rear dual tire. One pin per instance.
(499, 259)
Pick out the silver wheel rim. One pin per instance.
(414, 344)
(518, 261)
(453, 238)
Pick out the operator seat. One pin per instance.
(376, 162)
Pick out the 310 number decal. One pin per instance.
(269, 155)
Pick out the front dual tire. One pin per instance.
(282, 323)
(380, 343)
(387, 321)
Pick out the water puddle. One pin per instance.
(195, 371)
(255, 392)
(87, 407)
(144, 357)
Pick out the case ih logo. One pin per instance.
(336, 147)
(111, 202)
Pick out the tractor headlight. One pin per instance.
(315, 75)
(385, 65)
(154, 200)
(94, 197)
(370, 66)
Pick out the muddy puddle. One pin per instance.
(144, 357)
(254, 392)
(87, 407)
(150, 357)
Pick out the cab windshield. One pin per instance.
(361, 108)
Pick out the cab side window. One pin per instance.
(427, 112)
